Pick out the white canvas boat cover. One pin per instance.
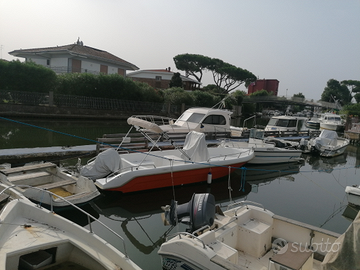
(195, 147)
(330, 134)
(327, 137)
(345, 251)
(353, 190)
(144, 124)
(105, 163)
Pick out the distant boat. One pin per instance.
(354, 132)
(286, 123)
(331, 121)
(327, 144)
(33, 180)
(32, 237)
(313, 123)
(265, 153)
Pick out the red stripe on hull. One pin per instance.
(178, 178)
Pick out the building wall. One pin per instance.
(268, 85)
(162, 84)
(63, 64)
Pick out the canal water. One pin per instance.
(312, 192)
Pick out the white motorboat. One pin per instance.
(331, 121)
(286, 123)
(327, 144)
(245, 236)
(353, 195)
(138, 171)
(265, 153)
(201, 119)
(33, 180)
(32, 237)
(313, 122)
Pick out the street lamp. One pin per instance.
(286, 92)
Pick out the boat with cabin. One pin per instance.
(331, 121)
(248, 236)
(286, 123)
(210, 121)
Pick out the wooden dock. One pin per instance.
(56, 153)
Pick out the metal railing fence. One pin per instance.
(84, 102)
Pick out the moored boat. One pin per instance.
(33, 180)
(138, 171)
(331, 121)
(245, 236)
(353, 195)
(265, 153)
(286, 123)
(327, 144)
(32, 237)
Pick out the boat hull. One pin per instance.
(330, 126)
(262, 156)
(172, 177)
(353, 195)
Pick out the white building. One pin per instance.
(76, 57)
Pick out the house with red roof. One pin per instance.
(76, 58)
(160, 78)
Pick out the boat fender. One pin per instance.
(209, 178)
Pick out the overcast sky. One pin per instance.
(301, 43)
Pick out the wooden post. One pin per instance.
(51, 98)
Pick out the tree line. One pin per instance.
(28, 76)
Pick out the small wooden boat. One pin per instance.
(194, 163)
(245, 236)
(33, 180)
(32, 237)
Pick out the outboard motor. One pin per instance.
(303, 144)
(197, 213)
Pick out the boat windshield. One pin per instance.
(190, 117)
(282, 122)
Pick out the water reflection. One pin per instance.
(323, 164)
(350, 212)
(263, 174)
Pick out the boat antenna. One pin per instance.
(221, 104)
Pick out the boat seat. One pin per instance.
(138, 163)
(28, 168)
(224, 251)
(76, 196)
(57, 184)
(175, 159)
(34, 178)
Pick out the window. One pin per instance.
(215, 120)
(48, 62)
(158, 78)
(191, 117)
